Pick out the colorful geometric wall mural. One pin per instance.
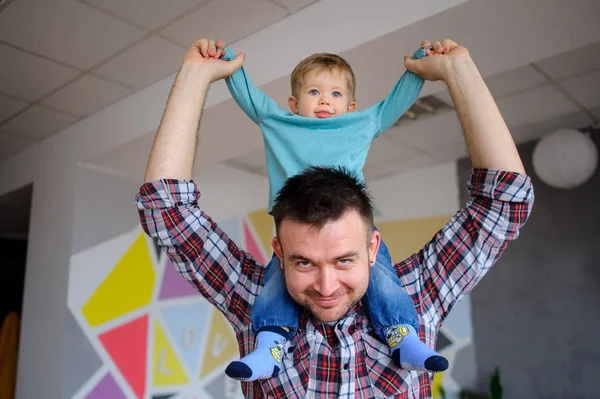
(138, 330)
(151, 334)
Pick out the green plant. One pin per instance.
(442, 392)
(494, 393)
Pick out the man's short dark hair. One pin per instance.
(320, 195)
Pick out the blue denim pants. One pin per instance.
(386, 302)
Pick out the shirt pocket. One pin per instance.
(292, 380)
(387, 380)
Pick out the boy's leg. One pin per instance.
(395, 319)
(274, 320)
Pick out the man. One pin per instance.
(327, 247)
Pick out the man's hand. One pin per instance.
(206, 54)
(174, 147)
(438, 61)
(487, 137)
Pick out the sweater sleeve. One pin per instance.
(253, 101)
(401, 98)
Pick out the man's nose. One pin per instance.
(327, 282)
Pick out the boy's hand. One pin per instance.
(206, 54)
(439, 61)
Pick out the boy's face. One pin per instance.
(324, 94)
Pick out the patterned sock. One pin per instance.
(263, 362)
(409, 353)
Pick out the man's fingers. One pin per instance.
(426, 44)
(220, 44)
(448, 45)
(437, 47)
(202, 46)
(212, 49)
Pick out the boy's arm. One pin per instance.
(401, 98)
(253, 101)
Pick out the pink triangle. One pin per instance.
(126, 346)
(106, 388)
(174, 285)
(252, 245)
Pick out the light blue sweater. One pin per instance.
(293, 142)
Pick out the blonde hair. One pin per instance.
(323, 62)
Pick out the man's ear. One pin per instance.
(374, 246)
(293, 104)
(352, 106)
(278, 250)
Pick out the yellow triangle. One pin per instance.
(221, 345)
(438, 378)
(404, 238)
(128, 286)
(264, 227)
(166, 368)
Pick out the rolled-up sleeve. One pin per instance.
(461, 253)
(202, 253)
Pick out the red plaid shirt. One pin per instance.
(346, 360)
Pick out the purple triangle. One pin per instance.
(106, 388)
(174, 285)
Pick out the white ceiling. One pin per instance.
(541, 60)
(62, 60)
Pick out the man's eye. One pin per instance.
(336, 94)
(314, 92)
(344, 261)
(303, 264)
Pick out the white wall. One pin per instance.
(48, 254)
(423, 193)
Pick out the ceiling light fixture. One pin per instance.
(423, 108)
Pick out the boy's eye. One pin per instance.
(314, 92)
(336, 94)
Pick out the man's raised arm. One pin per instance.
(488, 139)
(461, 253)
(174, 147)
(168, 202)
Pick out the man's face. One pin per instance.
(327, 270)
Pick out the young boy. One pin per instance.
(324, 129)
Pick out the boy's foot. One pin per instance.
(409, 353)
(263, 362)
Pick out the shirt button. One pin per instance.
(346, 366)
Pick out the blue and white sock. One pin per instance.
(265, 361)
(409, 353)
